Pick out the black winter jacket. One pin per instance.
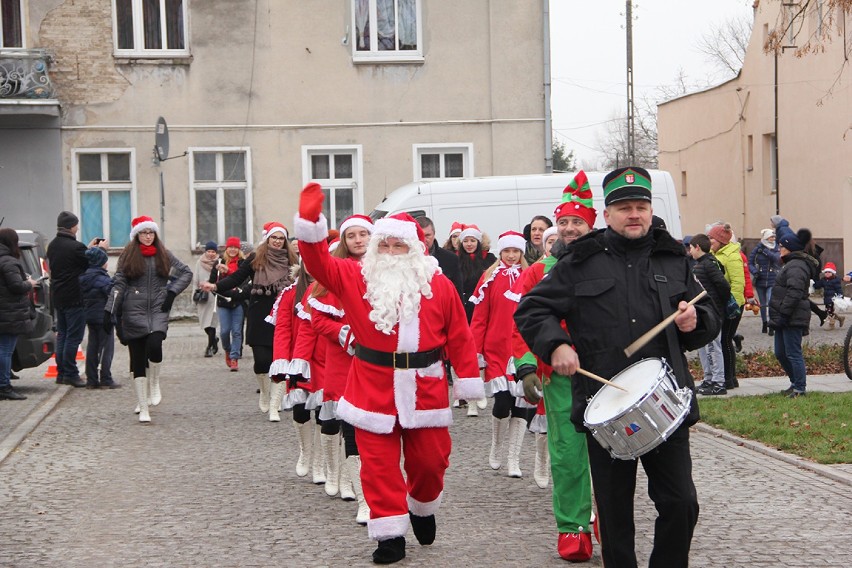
(712, 276)
(95, 284)
(16, 312)
(259, 332)
(470, 281)
(831, 287)
(789, 305)
(66, 259)
(604, 288)
(449, 263)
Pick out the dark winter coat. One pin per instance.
(140, 300)
(17, 315)
(66, 259)
(449, 263)
(764, 264)
(605, 289)
(95, 284)
(234, 297)
(712, 276)
(789, 305)
(259, 332)
(470, 281)
(831, 287)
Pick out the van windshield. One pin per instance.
(377, 214)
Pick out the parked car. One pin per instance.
(38, 346)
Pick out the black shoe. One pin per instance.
(796, 394)
(215, 346)
(765, 328)
(109, 384)
(8, 393)
(771, 332)
(76, 382)
(92, 385)
(821, 314)
(209, 351)
(738, 342)
(390, 551)
(712, 390)
(60, 380)
(13, 376)
(787, 391)
(424, 528)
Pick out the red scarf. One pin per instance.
(147, 250)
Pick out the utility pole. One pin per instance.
(631, 140)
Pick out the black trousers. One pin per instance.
(144, 349)
(729, 354)
(670, 486)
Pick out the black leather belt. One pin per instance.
(417, 360)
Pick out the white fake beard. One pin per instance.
(395, 284)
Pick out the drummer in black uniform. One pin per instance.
(610, 287)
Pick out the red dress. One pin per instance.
(329, 321)
(307, 357)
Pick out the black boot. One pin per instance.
(738, 342)
(390, 551)
(211, 341)
(424, 528)
(765, 328)
(8, 393)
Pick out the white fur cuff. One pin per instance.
(424, 509)
(387, 527)
(310, 232)
(468, 389)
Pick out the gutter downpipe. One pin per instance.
(548, 117)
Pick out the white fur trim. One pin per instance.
(514, 296)
(495, 385)
(264, 236)
(538, 424)
(511, 241)
(422, 509)
(294, 397)
(144, 225)
(355, 222)
(511, 272)
(405, 395)
(549, 233)
(386, 528)
(279, 367)
(310, 232)
(374, 422)
(469, 388)
(455, 231)
(325, 308)
(405, 230)
(470, 232)
(435, 418)
(299, 367)
(409, 335)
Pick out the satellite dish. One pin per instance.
(161, 144)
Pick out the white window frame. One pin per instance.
(104, 187)
(23, 45)
(220, 186)
(374, 55)
(465, 148)
(357, 183)
(139, 34)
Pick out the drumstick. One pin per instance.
(651, 333)
(600, 379)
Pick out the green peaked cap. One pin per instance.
(627, 183)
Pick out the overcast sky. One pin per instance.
(588, 59)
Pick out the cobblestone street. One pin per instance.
(211, 483)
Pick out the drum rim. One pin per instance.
(660, 376)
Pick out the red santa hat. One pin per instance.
(830, 267)
(511, 239)
(142, 223)
(356, 221)
(470, 231)
(271, 228)
(402, 226)
(332, 246)
(456, 228)
(577, 200)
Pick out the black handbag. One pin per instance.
(200, 296)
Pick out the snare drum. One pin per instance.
(630, 424)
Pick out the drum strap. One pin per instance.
(671, 335)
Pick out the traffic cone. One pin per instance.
(52, 372)
(81, 360)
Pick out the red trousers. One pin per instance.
(390, 495)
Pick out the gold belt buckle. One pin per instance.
(396, 366)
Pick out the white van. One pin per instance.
(503, 203)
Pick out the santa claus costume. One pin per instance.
(491, 327)
(330, 321)
(566, 448)
(404, 315)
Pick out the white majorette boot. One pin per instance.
(263, 384)
(498, 433)
(541, 473)
(331, 450)
(482, 403)
(472, 408)
(318, 456)
(154, 394)
(347, 492)
(141, 384)
(353, 465)
(514, 440)
(275, 397)
(305, 433)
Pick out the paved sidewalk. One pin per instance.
(210, 483)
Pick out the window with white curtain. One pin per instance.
(220, 198)
(386, 30)
(11, 23)
(104, 184)
(338, 170)
(150, 28)
(443, 161)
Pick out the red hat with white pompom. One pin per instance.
(470, 231)
(401, 226)
(356, 221)
(511, 239)
(830, 267)
(142, 223)
(271, 228)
